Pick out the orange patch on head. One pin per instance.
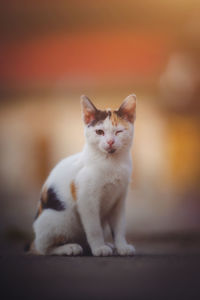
(73, 190)
(116, 120)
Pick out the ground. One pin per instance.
(151, 274)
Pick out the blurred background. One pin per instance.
(52, 52)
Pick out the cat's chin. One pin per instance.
(110, 150)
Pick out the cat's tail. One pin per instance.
(29, 248)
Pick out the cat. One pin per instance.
(86, 192)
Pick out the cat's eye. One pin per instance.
(119, 131)
(99, 132)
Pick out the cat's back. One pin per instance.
(65, 170)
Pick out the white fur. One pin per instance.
(101, 181)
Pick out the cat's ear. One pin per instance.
(88, 109)
(127, 110)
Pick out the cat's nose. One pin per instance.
(110, 142)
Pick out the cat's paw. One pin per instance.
(111, 245)
(125, 250)
(102, 251)
(68, 250)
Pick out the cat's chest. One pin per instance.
(111, 192)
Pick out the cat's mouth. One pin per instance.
(111, 150)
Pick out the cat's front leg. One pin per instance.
(117, 223)
(88, 208)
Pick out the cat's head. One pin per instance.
(109, 131)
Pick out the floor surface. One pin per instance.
(147, 275)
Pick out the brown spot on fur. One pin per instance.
(73, 190)
(116, 119)
(58, 241)
(91, 114)
(49, 199)
(44, 195)
(99, 116)
(43, 199)
(39, 211)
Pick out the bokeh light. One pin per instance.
(52, 52)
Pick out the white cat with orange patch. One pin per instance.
(86, 192)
